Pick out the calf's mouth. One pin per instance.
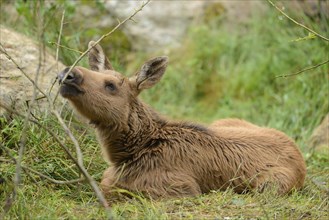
(70, 89)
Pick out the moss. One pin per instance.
(213, 11)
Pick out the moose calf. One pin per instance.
(162, 158)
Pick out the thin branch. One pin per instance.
(60, 35)
(60, 182)
(80, 166)
(78, 162)
(4, 51)
(23, 138)
(28, 169)
(299, 24)
(101, 38)
(57, 49)
(67, 48)
(5, 160)
(52, 134)
(13, 160)
(69, 133)
(303, 70)
(322, 187)
(10, 77)
(91, 181)
(12, 196)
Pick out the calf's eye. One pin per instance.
(110, 86)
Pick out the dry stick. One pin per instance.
(69, 133)
(55, 136)
(60, 35)
(90, 180)
(84, 172)
(67, 48)
(23, 138)
(28, 169)
(5, 160)
(4, 51)
(308, 29)
(304, 70)
(57, 50)
(299, 24)
(100, 39)
(320, 186)
(79, 163)
(61, 182)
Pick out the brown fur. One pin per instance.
(162, 158)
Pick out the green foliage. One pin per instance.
(222, 73)
(44, 17)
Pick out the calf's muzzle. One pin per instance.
(71, 84)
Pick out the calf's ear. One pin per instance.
(97, 59)
(150, 73)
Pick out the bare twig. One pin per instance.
(61, 182)
(23, 139)
(5, 160)
(52, 134)
(80, 166)
(299, 24)
(69, 133)
(67, 48)
(28, 169)
(101, 38)
(60, 35)
(91, 181)
(4, 51)
(303, 70)
(79, 161)
(10, 77)
(12, 196)
(320, 186)
(57, 49)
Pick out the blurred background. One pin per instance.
(225, 56)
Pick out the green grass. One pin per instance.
(216, 73)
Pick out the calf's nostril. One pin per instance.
(70, 77)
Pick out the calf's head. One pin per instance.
(103, 95)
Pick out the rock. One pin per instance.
(319, 140)
(165, 23)
(314, 9)
(15, 89)
(241, 11)
(159, 24)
